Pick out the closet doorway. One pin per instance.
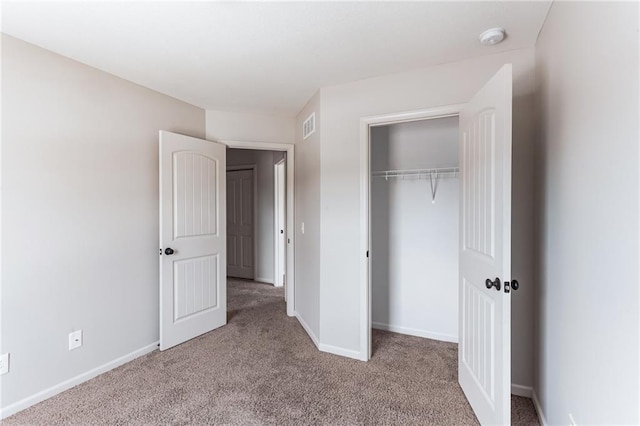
(414, 228)
(484, 243)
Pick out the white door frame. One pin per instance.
(276, 219)
(289, 149)
(254, 169)
(365, 205)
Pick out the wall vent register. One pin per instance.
(309, 126)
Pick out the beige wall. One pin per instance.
(587, 312)
(342, 108)
(237, 126)
(80, 214)
(307, 210)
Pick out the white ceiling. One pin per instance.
(265, 57)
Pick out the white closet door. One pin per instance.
(484, 352)
(193, 279)
(240, 222)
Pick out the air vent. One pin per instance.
(309, 126)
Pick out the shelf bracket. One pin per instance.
(434, 185)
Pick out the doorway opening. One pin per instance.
(260, 215)
(414, 205)
(256, 211)
(377, 130)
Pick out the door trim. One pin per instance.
(365, 207)
(289, 149)
(254, 171)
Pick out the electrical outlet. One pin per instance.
(75, 339)
(4, 364)
(571, 421)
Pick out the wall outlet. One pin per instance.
(75, 339)
(4, 364)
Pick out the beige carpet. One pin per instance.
(261, 368)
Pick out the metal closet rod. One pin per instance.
(441, 172)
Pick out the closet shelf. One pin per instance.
(434, 176)
(443, 172)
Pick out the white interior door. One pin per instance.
(484, 351)
(193, 286)
(240, 243)
(280, 222)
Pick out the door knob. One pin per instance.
(495, 283)
(168, 251)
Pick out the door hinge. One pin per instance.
(367, 254)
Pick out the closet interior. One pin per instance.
(414, 228)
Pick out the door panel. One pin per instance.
(192, 238)
(484, 352)
(240, 197)
(195, 285)
(195, 209)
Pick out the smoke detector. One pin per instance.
(492, 36)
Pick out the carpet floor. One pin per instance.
(262, 369)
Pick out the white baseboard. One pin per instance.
(415, 332)
(536, 404)
(519, 390)
(306, 327)
(349, 353)
(74, 381)
(264, 280)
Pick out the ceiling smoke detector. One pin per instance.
(492, 36)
